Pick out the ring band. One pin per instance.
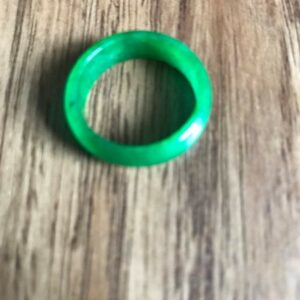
(137, 45)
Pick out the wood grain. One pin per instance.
(221, 222)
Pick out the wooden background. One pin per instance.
(221, 222)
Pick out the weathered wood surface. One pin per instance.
(221, 222)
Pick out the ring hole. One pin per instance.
(139, 102)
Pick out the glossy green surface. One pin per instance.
(137, 45)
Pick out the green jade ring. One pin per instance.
(125, 46)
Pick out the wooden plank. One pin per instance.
(221, 222)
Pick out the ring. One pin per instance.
(121, 47)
